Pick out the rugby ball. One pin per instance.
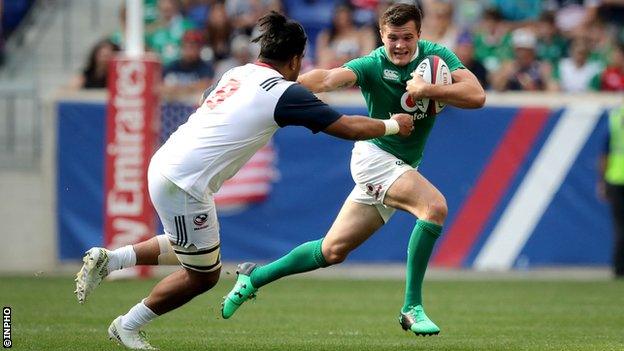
(433, 70)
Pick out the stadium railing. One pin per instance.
(20, 121)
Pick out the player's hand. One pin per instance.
(406, 123)
(417, 87)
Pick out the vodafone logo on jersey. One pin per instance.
(408, 104)
(414, 107)
(130, 140)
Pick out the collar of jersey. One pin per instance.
(264, 64)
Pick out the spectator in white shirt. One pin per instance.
(576, 72)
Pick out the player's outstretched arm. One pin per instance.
(362, 128)
(465, 92)
(323, 80)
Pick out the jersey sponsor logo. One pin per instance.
(399, 163)
(390, 74)
(419, 115)
(408, 104)
(416, 108)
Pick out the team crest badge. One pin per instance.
(373, 190)
(200, 219)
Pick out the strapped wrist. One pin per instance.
(392, 126)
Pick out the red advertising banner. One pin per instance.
(131, 136)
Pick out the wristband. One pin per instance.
(392, 126)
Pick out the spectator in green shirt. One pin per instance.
(166, 39)
(552, 46)
(492, 41)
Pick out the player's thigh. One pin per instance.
(355, 223)
(414, 193)
(191, 226)
(374, 170)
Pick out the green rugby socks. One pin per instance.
(303, 258)
(419, 250)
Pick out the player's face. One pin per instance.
(400, 42)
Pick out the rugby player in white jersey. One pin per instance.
(238, 116)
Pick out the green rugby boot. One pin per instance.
(241, 292)
(417, 321)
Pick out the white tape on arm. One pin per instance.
(392, 126)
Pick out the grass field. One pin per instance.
(316, 314)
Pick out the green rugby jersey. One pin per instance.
(383, 86)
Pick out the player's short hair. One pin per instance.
(399, 14)
(281, 39)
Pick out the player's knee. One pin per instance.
(437, 210)
(202, 282)
(335, 253)
(202, 265)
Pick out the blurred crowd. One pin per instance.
(530, 45)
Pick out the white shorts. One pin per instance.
(373, 171)
(188, 223)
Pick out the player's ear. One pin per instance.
(294, 62)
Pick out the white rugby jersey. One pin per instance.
(238, 117)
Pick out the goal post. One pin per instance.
(132, 120)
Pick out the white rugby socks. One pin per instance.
(138, 316)
(122, 257)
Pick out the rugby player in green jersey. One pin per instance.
(384, 169)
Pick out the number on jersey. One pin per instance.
(221, 93)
